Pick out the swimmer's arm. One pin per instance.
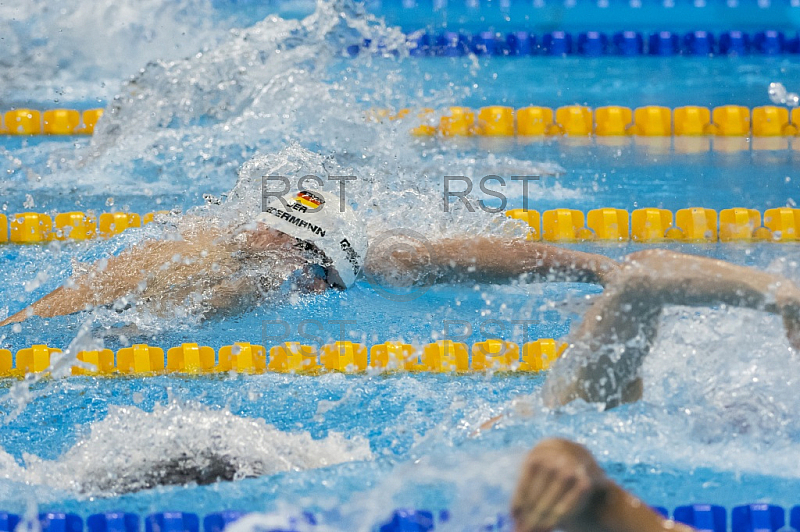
(108, 281)
(563, 487)
(627, 314)
(127, 274)
(488, 259)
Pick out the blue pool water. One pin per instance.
(717, 422)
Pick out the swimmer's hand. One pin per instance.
(563, 487)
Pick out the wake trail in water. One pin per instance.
(177, 444)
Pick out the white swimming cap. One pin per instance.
(318, 218)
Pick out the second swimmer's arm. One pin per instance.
(486, 259)
(617, 332)
(563, 487)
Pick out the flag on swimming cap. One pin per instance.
(319, 218)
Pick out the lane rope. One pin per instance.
(699, 43)
(644, 225)
(691, 122)
(443, 356)
(744, 518)
(50, 122)
(502, 121)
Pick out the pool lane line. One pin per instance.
(665, 43)
(689, 121)
(39, 228)
(643, 225)
(443, 356)
(27, 122)
(744, 518)
(613, 121)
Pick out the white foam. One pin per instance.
(179, 443)
(74, 50)
(717, 394)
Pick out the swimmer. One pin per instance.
(310, 242)
(562, 487)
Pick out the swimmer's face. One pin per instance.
(312, 278)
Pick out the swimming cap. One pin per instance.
(318, 218)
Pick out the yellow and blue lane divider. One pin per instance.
(50, 122)
(643, 225)
(443, 356)
(608, 121)
(652, 225)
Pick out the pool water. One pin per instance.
(276, 97)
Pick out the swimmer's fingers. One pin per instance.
(534, 477)
(562, 496)
(539, 483)
(534, 517)
(568, 502)
(558, 479)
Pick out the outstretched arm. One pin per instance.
(108, 281)
(563, 487)
(152, 269)
(405, 261)
(606, 352)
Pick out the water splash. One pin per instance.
(274, 99)
(82, 48)
(177, 444)
(780, 96)
(278, 83)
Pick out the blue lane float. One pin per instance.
(485, 43)
(702, 517)
(628, 43)
(113, 522)
(407, 520)
(217, 522)
(60, 522)
(769, 42)
(698, 43)
(664, 43)
(8, 522)
(592, 43)
(660, 509)
(734, 43)
(557, 43)
(521, 43)
(172, 522)
(757, 517)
